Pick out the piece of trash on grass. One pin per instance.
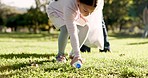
(122, 55)
(33, 64)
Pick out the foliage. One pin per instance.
(37, 17)
(138, 7)
(6, 11)
(118, 13)
(123, 14)
(33, 17)
(1, 21)
(128, 58)
(11, 18)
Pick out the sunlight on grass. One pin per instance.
(19, 51)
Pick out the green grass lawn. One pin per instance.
(129, 58)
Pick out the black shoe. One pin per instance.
(106, 49)
(85, 48)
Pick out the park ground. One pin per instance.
(24, 55)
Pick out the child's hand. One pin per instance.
(75, 59)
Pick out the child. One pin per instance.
(79, 20)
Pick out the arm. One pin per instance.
(69, 16)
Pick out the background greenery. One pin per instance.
(119, 16)
(18, 51)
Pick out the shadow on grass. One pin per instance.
(126, 35)
(24, 55)
(28, 35)
(25, 64)
(138, 43)
(21, 65)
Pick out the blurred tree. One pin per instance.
(36, 18)
(16, 20)
(41, 4)
(6, 12)
(136, 9)
(33, 18)
(12, 22)
(1, 21)
(118, 14)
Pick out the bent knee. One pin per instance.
(63, 29)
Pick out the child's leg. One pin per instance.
(106, 41)
(82, 34)
(62, 40)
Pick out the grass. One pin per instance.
(18, 51)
